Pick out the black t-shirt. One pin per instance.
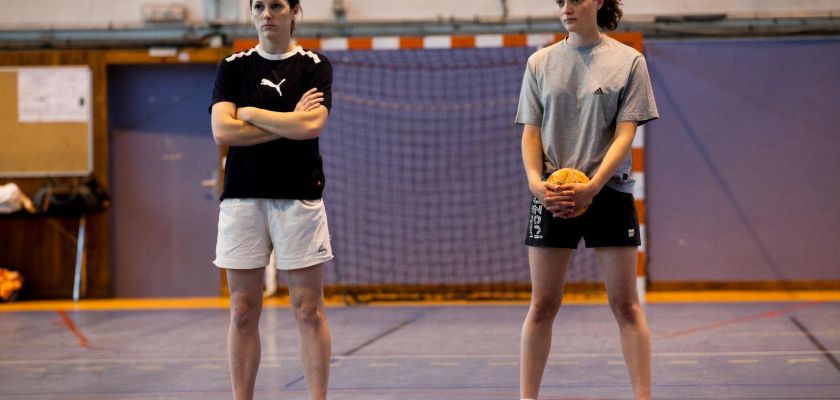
(282, 168)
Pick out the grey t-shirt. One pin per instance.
(577, 95)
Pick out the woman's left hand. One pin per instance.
(310, 100)
(581, 194)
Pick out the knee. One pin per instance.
(544, 310)
(627, 313)
(244, 312)
(309, 313)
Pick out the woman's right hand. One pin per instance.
(556, 201)
(310, 100)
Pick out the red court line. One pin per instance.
(83, 342)
(719, 324)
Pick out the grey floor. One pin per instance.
(700, 351)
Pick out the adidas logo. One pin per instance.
(322, 249)
(599, 92)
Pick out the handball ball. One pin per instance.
(569, 175)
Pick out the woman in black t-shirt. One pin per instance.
(270, 104)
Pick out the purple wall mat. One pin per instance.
(164, 221)
(742, 165)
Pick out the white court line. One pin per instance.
(120, 361)
(216, 367)
(598, 355)
(443, 364)
(742, 361)
(563, 363)
(384, 365)
(682, 362)
(414, 357)
(503, 363)
(149, 367)
(802, 360)
(31, 369)
(85, 369)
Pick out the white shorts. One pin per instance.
(250, 228)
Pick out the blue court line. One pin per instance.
(370, 341)
(401, 325)
(827, 354)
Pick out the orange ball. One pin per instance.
(569, 175)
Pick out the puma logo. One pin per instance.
(266, 82)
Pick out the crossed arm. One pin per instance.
(247, 126)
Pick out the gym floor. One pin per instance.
(705, 346)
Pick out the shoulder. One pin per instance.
(313, 58)
(238, 58)
(313, 63)
(618, 49)
(541, 57)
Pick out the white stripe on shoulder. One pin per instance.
(240, 54)
(309, 54)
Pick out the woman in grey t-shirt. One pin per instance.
(581, 102)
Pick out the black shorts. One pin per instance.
(610, 221)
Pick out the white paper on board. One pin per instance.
(54, 94)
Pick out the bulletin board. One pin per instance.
(46, 121)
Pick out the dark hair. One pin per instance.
(292, 5)
(609, 14)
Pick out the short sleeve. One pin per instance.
(637, 103)
(322, 79)
(530, 109)
(224, 88)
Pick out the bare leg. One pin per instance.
(548, 274)
(244, 335)
(619, 267)
(306, 289)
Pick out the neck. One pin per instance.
(584, 39)
(277, 46)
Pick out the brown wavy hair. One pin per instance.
(609, 14)
(292, 5)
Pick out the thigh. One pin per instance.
(548, 271)
(618, 264)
